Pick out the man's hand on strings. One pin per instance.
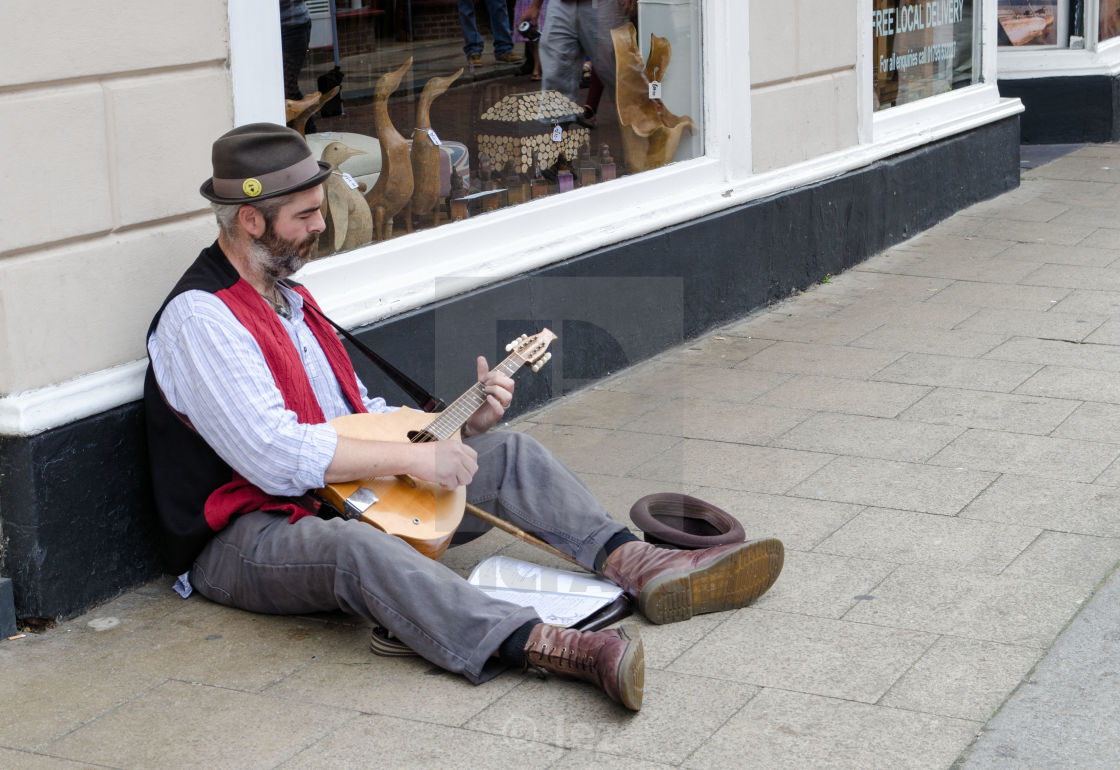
(450, 464)
(499, 395)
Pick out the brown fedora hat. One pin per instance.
(680, 521)
(261, 160)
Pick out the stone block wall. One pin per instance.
(803, 79)
(108, 115)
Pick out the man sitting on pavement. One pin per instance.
(244, 375)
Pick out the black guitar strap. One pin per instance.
(425, 400)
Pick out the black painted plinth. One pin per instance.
(7, 609)
(75, 501)
(76, 507)
(1064, 110)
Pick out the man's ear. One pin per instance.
(251, 221)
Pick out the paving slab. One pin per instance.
(944, 601)
(1057, 352)
(1067, 714)
(830, 360)
(1074, 276)
(390, 742)
(706, 382)
(907, 339)
(902, 537)
(189, 725)
(1069, 559)
(963, 267)
(1090, 300)
(1092, 422)
(734, 466)
(957, 372)
(1063, 506)
(782, 729)
(824, 585)
(876, 312)
(834, 394)
(1073, 383)
(1040, 456)
(815, 655)
(860, 436)
(1084, 254)
(1000, 296)
(962, 678)
(1051, 324)
(891, 484)
(750, 423)
(998, 411)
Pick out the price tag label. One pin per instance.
(655, 89)
(433, 137)
(557, 134)
(349, 180)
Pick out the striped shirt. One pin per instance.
(211, 369)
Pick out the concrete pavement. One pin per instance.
(934, 435)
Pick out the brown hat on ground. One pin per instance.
(680, 521)
(261, 160)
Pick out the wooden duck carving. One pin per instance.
(297, 113)
(650, 133)
(394, 186)
(347, 215)
(425, 153)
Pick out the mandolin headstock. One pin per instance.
(532, 349)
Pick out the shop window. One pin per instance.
(430, 121)
(924, 48)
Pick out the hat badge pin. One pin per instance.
(251, 187)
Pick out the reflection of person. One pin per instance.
(244, 375)
(532, 47)
(573, 31)
(499, 26)
(295, 35)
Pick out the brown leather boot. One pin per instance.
(672, 585)
(613, 660)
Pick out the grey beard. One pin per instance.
(276, 260)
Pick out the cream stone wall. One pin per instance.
(107, 112)
(803, 79)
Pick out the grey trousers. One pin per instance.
(262, 563)
(572, 30)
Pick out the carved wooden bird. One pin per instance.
(394, 186)
(425, 153)
(348, 218)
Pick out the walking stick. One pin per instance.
(520, 534)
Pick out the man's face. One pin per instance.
(287, 241)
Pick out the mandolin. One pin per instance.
(422, 513)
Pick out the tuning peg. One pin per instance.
(509, 347)
(544, 360)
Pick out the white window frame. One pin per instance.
(962, 109)
(1098, 57)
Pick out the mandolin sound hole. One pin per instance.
(420, 436)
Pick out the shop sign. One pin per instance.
(922, 48)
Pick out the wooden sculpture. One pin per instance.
(298, 112)
(394, 186)
(650, 133)
(349, 220)
(425, 154)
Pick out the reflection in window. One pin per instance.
(923, 48)
(1109, 19)
(430, 116)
